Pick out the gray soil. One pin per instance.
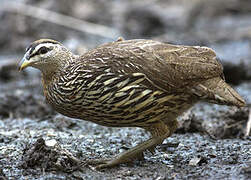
(38, 143)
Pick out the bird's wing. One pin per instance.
(167, 67)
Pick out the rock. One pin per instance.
(48, 157)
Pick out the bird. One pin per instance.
(130, 83)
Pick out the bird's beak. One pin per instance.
(23, 64)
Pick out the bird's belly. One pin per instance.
(138, 107)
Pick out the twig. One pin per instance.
(248, 128)
(60, 19)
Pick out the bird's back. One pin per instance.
(170, 68)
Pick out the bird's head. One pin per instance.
(46, 55)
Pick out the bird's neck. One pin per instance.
(48, 76)
(50, 71)
(48, 79)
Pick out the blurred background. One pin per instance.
(224, 25)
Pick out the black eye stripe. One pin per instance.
(41, 50)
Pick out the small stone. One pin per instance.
(198, 161)
(194, 161)
(51, 143)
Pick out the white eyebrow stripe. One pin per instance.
(42, 45)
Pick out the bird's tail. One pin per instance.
(217, 91)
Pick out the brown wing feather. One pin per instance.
(167, 67)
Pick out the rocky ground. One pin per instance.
(213, 142)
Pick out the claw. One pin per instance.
(103, 163)
(97, 164)
(102, 166)
(96, 161)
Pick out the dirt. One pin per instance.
(211, 142)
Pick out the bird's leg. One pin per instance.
(159, 131)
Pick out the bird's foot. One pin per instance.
(108, 163)
(103, 163)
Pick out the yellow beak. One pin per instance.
(23, 64)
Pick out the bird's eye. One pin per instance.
(43, 50)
